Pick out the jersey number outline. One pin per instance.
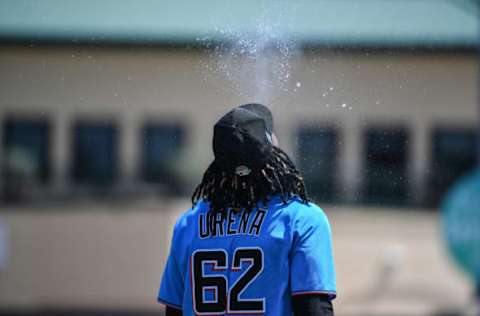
(225, 299)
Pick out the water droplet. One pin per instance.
(344, 105)
(331, 88)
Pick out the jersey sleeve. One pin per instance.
(312, 269)
(172, 283)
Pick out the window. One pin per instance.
(161, 146)
(386, 166)
(94, 153)
(26, 148)
(453, 153)
(317, 152)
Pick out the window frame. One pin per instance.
(44, 174)
(333, 183)
(115, 151)
(369, 190)
(434, 195)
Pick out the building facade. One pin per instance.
(383, 127)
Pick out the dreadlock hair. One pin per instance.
(224, 190)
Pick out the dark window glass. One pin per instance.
(161, 145)
(26, 145)
(317, 152)
(453, 153)
(386, 166)
(95, 153)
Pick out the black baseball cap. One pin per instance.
(242, 139)
(262, 111)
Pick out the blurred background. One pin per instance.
(106, 115)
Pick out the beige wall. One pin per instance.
(95, 255)
(111, 256)
(133, 85)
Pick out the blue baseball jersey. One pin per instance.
(248, 262)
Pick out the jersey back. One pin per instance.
(248, 262)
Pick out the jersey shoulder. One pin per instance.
(298, 208)
(305, 215)
(187, 220)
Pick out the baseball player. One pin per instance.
(252, 243)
